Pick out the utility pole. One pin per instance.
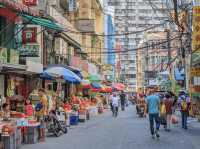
(169, 49)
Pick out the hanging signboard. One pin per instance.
(29, 35)
(196, 29)
(194, 72)
(3, 55)
(13, 56)
(29, 50)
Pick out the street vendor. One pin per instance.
(29, 108)
(6, 113)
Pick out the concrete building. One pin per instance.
(155, 58)
(89, 19)
(132, 16)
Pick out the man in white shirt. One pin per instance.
(115, 104)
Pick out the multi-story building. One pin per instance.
(89, 20)
(156, 57)
(130, 17)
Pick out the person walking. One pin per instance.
(169, 109)
(185, 107)
(115, 104)
(123, 100)
(153, 103)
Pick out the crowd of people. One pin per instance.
(161, 109)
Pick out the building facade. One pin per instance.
(157, 58)
(133, 16)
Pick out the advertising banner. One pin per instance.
(196, 29)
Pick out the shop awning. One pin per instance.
(95, 78)
(41, 21)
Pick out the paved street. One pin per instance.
(125, 132)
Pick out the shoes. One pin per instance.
(153, 136)
(157, 134)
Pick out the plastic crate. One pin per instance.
(74, 119)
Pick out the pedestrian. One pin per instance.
(185, 107)
(169, 109)
(163, 114)
(153, 103)
(110, 102)
(115, 104)
(41, 112)
(123, 100)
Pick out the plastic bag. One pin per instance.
(174, 119)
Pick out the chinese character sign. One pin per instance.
(196, 29)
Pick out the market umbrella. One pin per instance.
(96, 85)
(95, 78)
(86, 84)
(106, 89)
(119, 86)
(95, 90)
(66, 74)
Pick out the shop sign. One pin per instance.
(30, 50)
(195, 72)
(30, 2)
(14, 56)
(29, 35)
(3, 55)
(12, 4)
(195, 89)
(196, 29)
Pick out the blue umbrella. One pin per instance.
(66, 74)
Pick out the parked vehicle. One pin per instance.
(54, 125)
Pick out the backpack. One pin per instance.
(163, 109)
(184, 105)
(38, 106)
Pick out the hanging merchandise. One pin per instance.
(11, 87)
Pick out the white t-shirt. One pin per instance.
(115, 101)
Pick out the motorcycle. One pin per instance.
(54, 125)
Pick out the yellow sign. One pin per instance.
(195, 72)
(196, 29)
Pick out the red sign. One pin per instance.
(29, 35)
(30, 2)
(19, 7)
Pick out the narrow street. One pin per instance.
(125, 132)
